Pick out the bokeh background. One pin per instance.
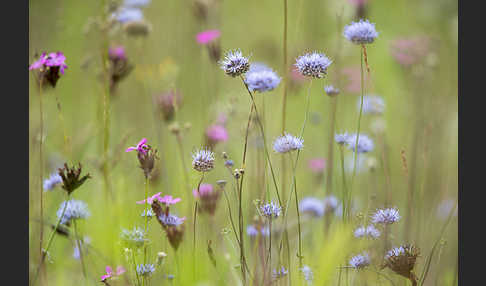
(418, 126)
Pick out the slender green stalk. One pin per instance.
(345, 189)
(231, 217)
(147, 206)
(76, 237)
(298, 220)
(284, 98)
(194, 227)
(41, 168)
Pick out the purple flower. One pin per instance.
(360, 261)
(168, 200)
(204, 190)
(386, 216)
(141, 147)
(362, 32)
(313, 64)
(313, 206)
(115, 53)
(287, 143)
(149, 200)
(216, 133)
(109, 272)
(171, 220)
(203, 160)
(49, 67)
(370, 232)
(234, 63)
(208, 36)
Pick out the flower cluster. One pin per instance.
(51, 182)
(362, 32)
(360, 261)
(261, 78)
(372, 104)
(312, 206)
(287, 143)
(75, 209)
(234, 63)
(385, 216)
(50, 67)
(313, 65)
(203, 160)
(145, 269)
(370, 232)
(270, 210)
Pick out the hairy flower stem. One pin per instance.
(358, 129)
(45, 251)
(76, 237)
(194, 228)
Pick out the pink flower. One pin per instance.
(109, 272)
(151, 199)
(168, 200)
(117, 53)
(204, 189)
(52, 60)
(141, 146)
(358, 2)
(317, 165)
(408, 51)
(354, 79)
(207, 36)
(217, 133)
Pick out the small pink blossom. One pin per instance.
(109, 272)
(317, 165)
(117, 52)
(217, 133)
(207, 36)
(358, 2)
(141, 146)
(204, 189)
(151, 199)
(168, 200)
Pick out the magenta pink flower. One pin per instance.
(207, 36)
(52, 60)
(117, 53)
(317, 165)
(358, 2)
(109, 272)
(141, 146)
(151, 199)
(217, 133)
(204, 189)
(168, 200)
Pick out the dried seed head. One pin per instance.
(402, 260)
(71, 177)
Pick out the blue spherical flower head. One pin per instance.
(331, 90)
(171, 220)
(287, 143)
(365, 144)
(145, 269)
(75, 210)
(313, 65)
(262, 79)
(313, 206)
(234, 63)
(51, 182)
(372, 104)
(362, 32)
(341, 139)
(203, 160)
(385, 216)
(271, 210)
(360, 261)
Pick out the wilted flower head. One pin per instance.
(341, 139)
(119, 67)
(208, 198)
(261, 78)
(313, 206)
(110, 273)
(386, 216)
(71, 177)
(313, 64)
(365, 144)
(135, 237)
(216, 133)
(372, 104)
(317, 165)
(331, 90)
(51, 182)
(75, 209)
(49, 67)
(369, 232)
(270, 210)
(234, 63)
(287, 143)
(208, 36)
(402, 260)
(145, 269)
(362, 32)
(360, 261)
(167, 102)
(203, 160)
(277, 274)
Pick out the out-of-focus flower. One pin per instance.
(149, 200)
(331, 90)
(167, 103)
(385, 216)
(128, 14)
(261, 78)
(362, 32)
(168, 200)
(365, 144)
(360, 261)
(369, 232)
(287, 143)
(51, 182)
(308, 274)
(135, 237)
(372, 104)
(253, 230)
(331, 204)
(341, 139)
(110, 273)
(313, 64)
(312, 206)
(410, 51)
(317, 165)
(75, 209)
(445, 207)
(208, 198)
(277, 274)
(216, 133)
(145, 269)
(208, 36)
(119, 67)
(136, 3)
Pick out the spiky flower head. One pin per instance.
(270, 210)
(365, 144)
(145, 269)
(331, 90)
(360, 261)
(203, 160)
(234, 63)
(372, 104)
(362, 32)
(51, 182)
(135, 237)
(75, 209)
(341, 139)
(287, 143)
(312, 206)
(369, 232)
(50, 67)
(277, 274)
(386, 216)
(313, 64)
(261, 79)
(402, 260)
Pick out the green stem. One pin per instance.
(147, 206)
(345, 192)
(76, 237)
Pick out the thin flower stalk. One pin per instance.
(76, 237)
